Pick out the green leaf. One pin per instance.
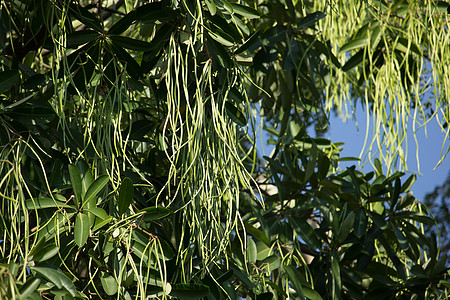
(270, 264)
(81, 232)
(98, 212)
(153, 12)
(251, 251)
(123, 24)
(406, 186)
(44, 202)
(129, 43)
(30, 286)
(354, 44)
(294, 276)
(252, 40)
(85, 17)
(109, 284)
(132, 67)
(46, 252)
(218, 53)
(49, 274)
(256, 233)
(99, 223)
(155, 213)
(346, 227)
(245, 11)
(355, 60)
(336, 273)
(90, 200)
(125, 195)
(66, 283)
(311, 294)
(396, 193)
(407, 46)
(78, 38)
(263, 250)
(305, 231)
(189, 291)
(402, 240)
(235, 114)
(310, 20)
(361, 224)
(309, 170)
(211, 7)
(8, 79)
(222, 37)
(75, 179)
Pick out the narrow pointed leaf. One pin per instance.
(189, 291)
(310, 19)
(75, 179)
(125, 195)
(78, 38)
(81, 232)
(85, 17)
(8, 79)
(30, 286)
(90, 198)
(245, 11)
(129, 43)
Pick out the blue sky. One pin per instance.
(430, 147)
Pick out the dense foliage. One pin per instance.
(129, 167)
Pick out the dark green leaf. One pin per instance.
(129, 43)
(245, 11)
(85, 17)
(256, 233)
(33, 82)
(81, 232)
(189, 291)
(90, 199)
(235, 114)
(30, 286)
(211, 6)
(336, 273)
(406, 186)
(123, 24)
(309, 170)
(133, 68)
(155, 213)
(355, 44)
(305, 231)
(43, 202)
(346, 227)
(252, 40)
(49, 274)
(153, 12)
(46, 252)
(310, 20)
(355, 60)
(294, 277)
(81, 37)
(75, 178)
(270, 264)
(125, 195)
(109, 284)
(8, 79)
(251, 251)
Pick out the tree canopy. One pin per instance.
(129, 167)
